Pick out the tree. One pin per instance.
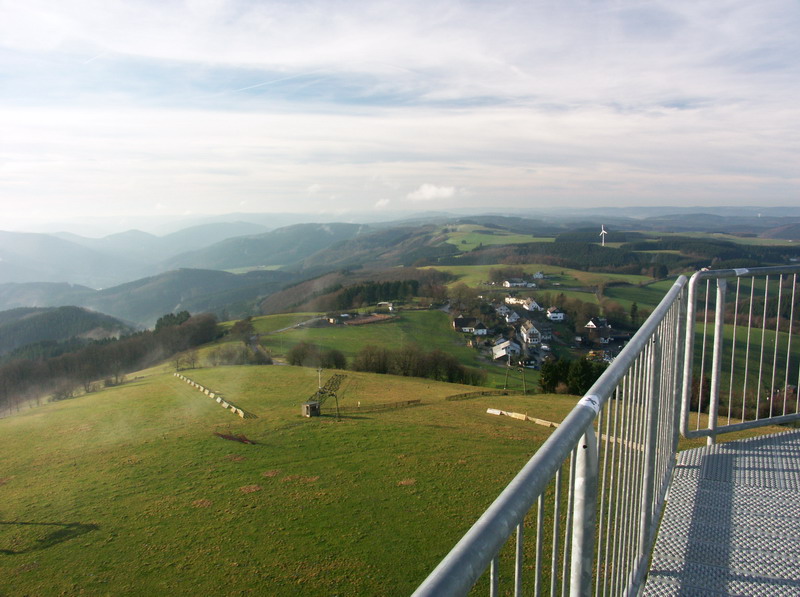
(634, 314)
(243, 328)
(579, 378)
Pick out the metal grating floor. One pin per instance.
(732, 521)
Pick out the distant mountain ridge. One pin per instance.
(143, 301)
(282, 247)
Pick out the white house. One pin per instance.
(529, 333)
(504, 349)
(515, 283)
(469, 325)
(502, 310)
(511, 317)
(538, 276)
(531, 305)
(555, 314)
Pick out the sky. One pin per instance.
(116, 108)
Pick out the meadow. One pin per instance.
(477, 275)
(428, 330)
(467, 237)
(128, 491)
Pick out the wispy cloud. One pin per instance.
(199, 103)
(429, 192)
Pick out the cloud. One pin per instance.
(314, 189)
(429, 192)
(381, 203)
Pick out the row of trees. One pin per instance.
(412, 361)
(409, 361)
(63, 376)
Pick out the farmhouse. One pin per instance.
(515, 283)
(555, 314)
(469, 325)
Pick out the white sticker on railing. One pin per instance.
(741, 271)
(592, 402)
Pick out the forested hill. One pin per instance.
(21, 327)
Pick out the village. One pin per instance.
(514, 328)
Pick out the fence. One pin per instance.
(743, 351)
(348, 410)
(599, 482)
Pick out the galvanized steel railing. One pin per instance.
(742, 350)
(597, 485)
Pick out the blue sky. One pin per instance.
(112, 107)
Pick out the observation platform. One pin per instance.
(732, 521)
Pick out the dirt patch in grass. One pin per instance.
(300, 479)
(4, 480)
(250, 488)
(201, 503)
(272, 473)
(406, 482)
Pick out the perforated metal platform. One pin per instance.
(732, 521)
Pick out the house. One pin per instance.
(515, 283)
(531, 305)
(511, 317)
(546, 332)
(386, 305)
(469, 325)
(599, 330)
(504, 349)
(502, 310)
(538, 276)
(529, 333)
(513, 300)
(597, 323)
(555, 314)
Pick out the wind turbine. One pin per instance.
(603, 235)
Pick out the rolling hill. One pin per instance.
(282, 247)
(24, 326)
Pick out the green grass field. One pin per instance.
(469, 236)
(475, 275)
(427, 329)
(128, 491)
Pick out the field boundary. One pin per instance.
(470, 395)
(378, 407)
(224, 402)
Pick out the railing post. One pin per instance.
(584, 516)
(716, 363)
(648, 483)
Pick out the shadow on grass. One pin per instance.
(64, 531)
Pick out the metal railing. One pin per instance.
(742, 352)
(597, 484)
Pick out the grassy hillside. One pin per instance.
(129, 492)
(19, 327)
(474, 275)
(427, 329)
